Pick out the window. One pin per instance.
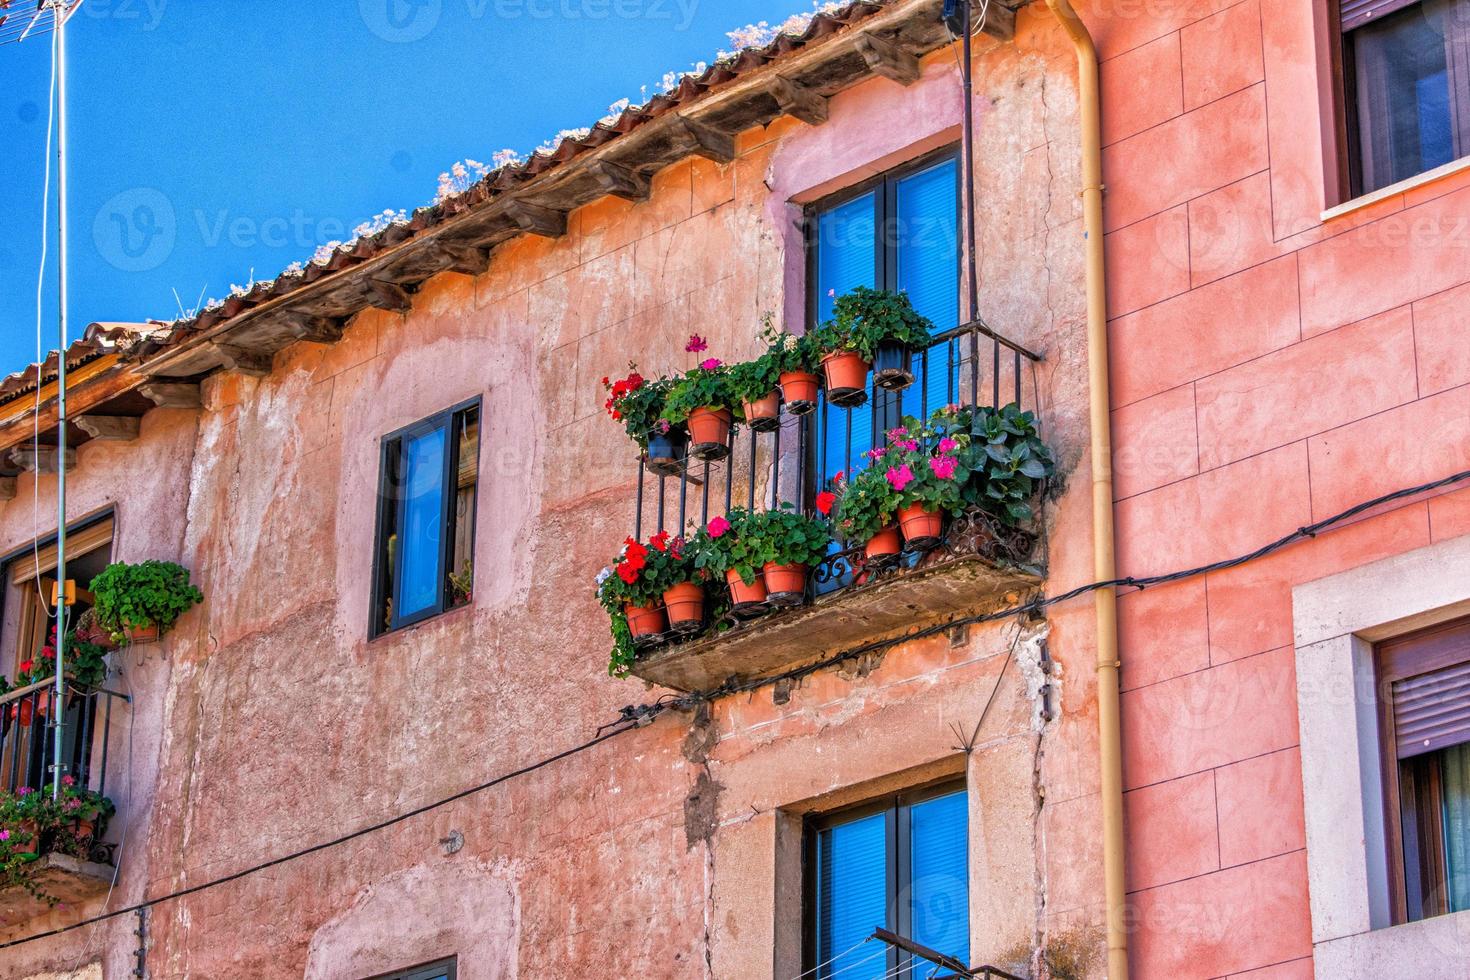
(901, 863)
(1407, 86)
(900, 232)
(426, 518)
(440, 970)
(1424, 717)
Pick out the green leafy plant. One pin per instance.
(925, 465)
(786, 537)
(865, 504)
(1006, 455)
(638, 403)
(865, 318)
(84, 662)
(752, 380)
(150, 593)
(710, 385)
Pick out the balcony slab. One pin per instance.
(71, 881)
(903, 603)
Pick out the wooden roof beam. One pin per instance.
(620, 181)
(467, 260)
(389, 296)
(255, 363)
(795, 99)
(317, 329)
(41, 459)
(705, 141)
(172, 394)
(887, 59)
(536, 219)
(110, 428)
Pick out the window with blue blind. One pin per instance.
(901, 863)
(899, 232)
(426, 518)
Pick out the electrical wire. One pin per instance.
(834, 959)
(40, 358)
(325, 845)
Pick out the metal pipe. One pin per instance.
(1103, 549)
(58, 11)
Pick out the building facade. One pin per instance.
(1286, 265)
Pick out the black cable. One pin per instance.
(363, 831)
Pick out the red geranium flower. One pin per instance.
(825, 501)
(660, 541)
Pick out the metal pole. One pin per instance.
(967, 169)
(58, 12)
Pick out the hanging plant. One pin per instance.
(705, 399)
(133, 601)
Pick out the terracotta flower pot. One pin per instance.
(764, 414)
(799, 389)
(97, 636)
(667, 450)
(785, 579)
(921, 528)
(685, 605)
(884, 544)
(141, 634)
(742, 594)
(709, 432)
(645, 620)
(847, 378)
(22, 712)
(893, 366)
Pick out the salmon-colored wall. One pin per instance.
(1269, 369)
(667, 852)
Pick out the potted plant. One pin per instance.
(88, 630)
(683, 597)
(866, 323)
(638, 403)
(140, 602)
(1007, 456)
(630, 592)
(705, 400)
(866, 509)
(791, 544)
(755, 384)
(739, 553)
(793, 360)
(925, 468)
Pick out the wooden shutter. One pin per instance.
(1356, 13)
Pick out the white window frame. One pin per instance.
(1337, 620)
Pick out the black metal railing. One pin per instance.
(790, 461)
(28, 736)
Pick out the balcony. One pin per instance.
(73, 862)
(976, 565)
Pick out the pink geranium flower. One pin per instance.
(696, 344)
(876, 453)
(947, 445)
(710, 364)
(943, 467)
(900, 477)
(718, 527)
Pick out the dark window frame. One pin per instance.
(447, 967)
(1343, 66)
(1410, 655)
(896, 828)
(885, 249)
(390, 511)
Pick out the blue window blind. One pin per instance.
(421, 539)
(939, 900)
(928, 261)
(861, 882)
(852, 894)
(846, 243)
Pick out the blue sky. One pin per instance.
(212, 138)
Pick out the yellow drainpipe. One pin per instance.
(1103, 559)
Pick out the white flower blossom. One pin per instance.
(604, 575)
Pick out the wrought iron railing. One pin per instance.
(28, 739)
(790, 461)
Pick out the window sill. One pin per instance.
(1408, 184)
(434, 620)
(1430, 949)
